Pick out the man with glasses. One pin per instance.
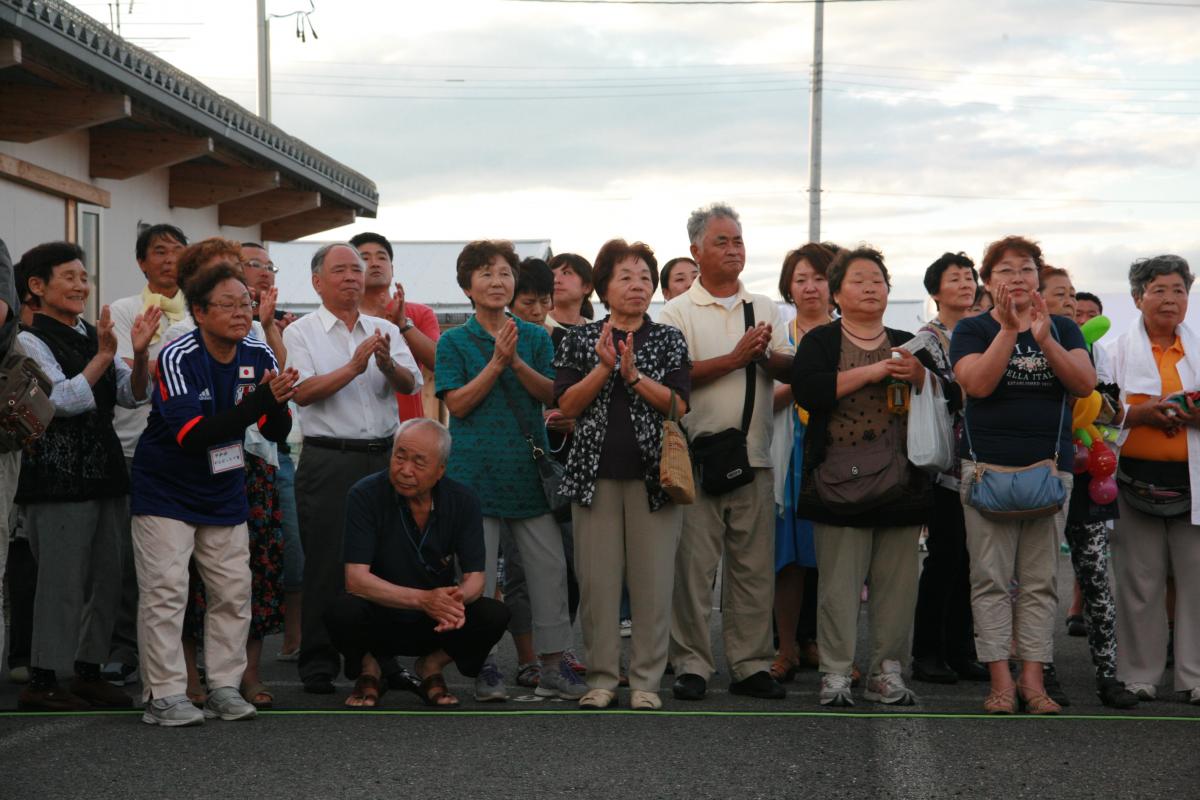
(407, 529)
(351, 365)
(157, 252)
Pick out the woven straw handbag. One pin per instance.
(675, 467)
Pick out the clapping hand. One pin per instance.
(282, 385)
(362, 353)
(383, 353)
(266, 305)
(505, 351)
(145, 325)
(395, 312)
(753, 344)
(1006, 309)
(604, 347)
(629, 368)
(1040, 319)
(105, 333)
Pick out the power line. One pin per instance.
(697, 2)
(1079, 200)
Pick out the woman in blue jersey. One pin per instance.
(189, 495)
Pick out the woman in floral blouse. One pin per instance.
(616, 376)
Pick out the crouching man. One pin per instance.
(415, 559)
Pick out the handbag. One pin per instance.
(721, 457)
(25, 406)
(1166, 498)
(1016, 493)
(930, 429)
(675, 465)
(549, 471)
(857, 478)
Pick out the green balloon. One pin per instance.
(1095, 328)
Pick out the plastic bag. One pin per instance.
(930, 429)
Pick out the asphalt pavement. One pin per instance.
(723, 747)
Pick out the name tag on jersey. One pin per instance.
(226, 459)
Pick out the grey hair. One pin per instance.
(318, 259)
(697, 223)
(444, 440)
(1145, 270)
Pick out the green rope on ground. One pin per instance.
(384, 712)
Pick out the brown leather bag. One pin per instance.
(25, 407)
(862, 476)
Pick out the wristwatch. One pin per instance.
(407, 326)
(636, 377)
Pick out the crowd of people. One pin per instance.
(163, 524)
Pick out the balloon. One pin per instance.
(1102, 462)
(1085, 412)
(1103, 491)
(1081, 458)
(1083, 437)
(1094, 329)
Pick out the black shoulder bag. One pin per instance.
(550, 472)
(721, 457)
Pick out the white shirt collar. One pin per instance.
(328, 320)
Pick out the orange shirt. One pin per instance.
(1153, 444)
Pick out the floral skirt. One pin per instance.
(266, 558)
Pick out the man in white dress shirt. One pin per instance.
(351, 365)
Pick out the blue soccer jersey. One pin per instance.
(205, 488)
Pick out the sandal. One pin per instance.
(434, 691)
(367, 690)
(1001, 701)
(251, 695)
(784, 669)
(1040, 704)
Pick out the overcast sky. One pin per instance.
(948, 123)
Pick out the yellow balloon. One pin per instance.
(1086, 411)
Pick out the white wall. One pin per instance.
(29, 217)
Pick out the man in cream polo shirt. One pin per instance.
(738, 524)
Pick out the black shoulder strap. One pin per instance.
(751, 377)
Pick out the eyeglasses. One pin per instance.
(246, 307)
(254, 262)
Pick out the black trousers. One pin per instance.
(20, 583)
(358, 627)
(942, 628)
(322, 483)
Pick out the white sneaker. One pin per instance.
(1144, 691)
(888, 686)
(228, 704)
(1194, 696)
(835, 690)
(172, 712)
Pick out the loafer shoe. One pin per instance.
(597, 699)
(56, 698)
(970, 670)
(933, 670)
(318, 685)
(641, 700)
(100, 693)
(689, 686)
(760, 685)
(1113, 694)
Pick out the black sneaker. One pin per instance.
(1054, 689)
(1113, 694)
(760, 685)
(971, 670)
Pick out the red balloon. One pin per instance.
(1102, 462)
(1103, 491)
(1080, 464)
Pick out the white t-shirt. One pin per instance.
(130, 422)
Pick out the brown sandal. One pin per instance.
(1001, 701)
(368, 689)
(1040, 704)
(784, 669)
(434, 690)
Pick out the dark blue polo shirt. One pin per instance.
(381, 531)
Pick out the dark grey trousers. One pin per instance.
(323, 480)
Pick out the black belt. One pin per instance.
(350, 445)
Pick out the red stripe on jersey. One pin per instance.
(187, 426)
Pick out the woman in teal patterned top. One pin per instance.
(495, 374)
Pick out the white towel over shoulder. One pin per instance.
(1131, 366)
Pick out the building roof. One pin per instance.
(65, 47)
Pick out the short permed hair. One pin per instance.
(40, 261)
(818, 255)
(613, 252)
(478, 254)
(141, 247)
(996, 250)
(199, 288)
(935, 271)
(843, 260)
(358, 240)
(197, 255)
(1047, 272)
(1143, 271)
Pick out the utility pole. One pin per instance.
(264, 62)
(814, 125)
